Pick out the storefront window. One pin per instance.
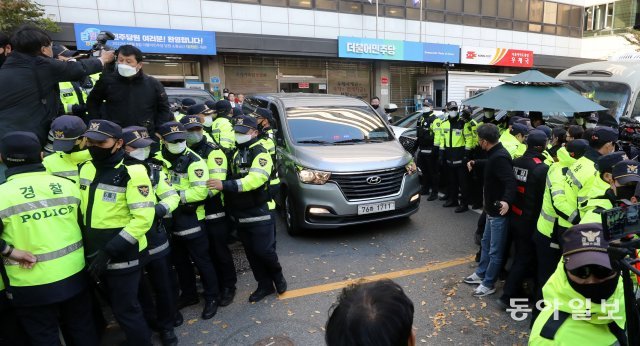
(505, 8)
(521, 10)
(370, 9)
(575, 19)
(471, 20)
(535, 10)
(472, 6)
(562, 31)
(327, 5)
(350, 7)
(549, 29)
(454, 6)
(490, 8)
(453, 18)
(435, 16)
(282, 3)
(488, 22)
(300, 3)
(393, 2)
(550, 12)
(392, 11)
(435, 4)
(504, 24)
(520, 26)
(413, 14)
(535, 27)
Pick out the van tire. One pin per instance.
(290, 216)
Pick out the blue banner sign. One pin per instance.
(369, 48)
(149, 40)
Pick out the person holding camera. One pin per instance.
(28, 83)
(128, 96)
(584, 298)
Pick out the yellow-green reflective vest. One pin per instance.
(66, 165)
(118, 206)
(223, 135)
(68, 95)
(39, 214)
(554, 194)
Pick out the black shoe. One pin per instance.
(450, 204)
(424, 192)
(432, 197)
(461, 209)
(260, 293)
(187, 301)
(210, 309)
(227, 295)
(502, 304)
(281, 284)
(168, 338)
(179, 320)
(444, 198)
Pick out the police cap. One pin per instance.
(210, 104)
(577, 147)
(585, 245)
(60, 50)
(223, 107)
(136, 137)
(605, 163)
(264, 113)
(188, 102)
(199, 108)
(19, 148)
(593, 118)
(172, 131)
(191, 121)
(626, 171)
(546, 129)
(514, 119)
(536, 138)
(519, 129)
(101, 130)
(604, 134)
(66, 130)
(244, 123)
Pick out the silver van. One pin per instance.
(338, 161)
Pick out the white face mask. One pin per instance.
(141, 153)
(208, 121)
(194, 137)
(453, 114)
(176, 148)
(126, 71)
(426, 109)
(242, 138)
(225, 94)
(590, 125)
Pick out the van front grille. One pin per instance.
(365, 185)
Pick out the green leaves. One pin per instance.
(14, 13)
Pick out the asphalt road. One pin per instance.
(428, 254)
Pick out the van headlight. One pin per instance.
(311, 176)
(411, 168)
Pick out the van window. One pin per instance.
(610, 95)
(336, 125)
(636, 109)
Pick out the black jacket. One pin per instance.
(23, 107)
(499, 180)
(531, 175)
(137, 101)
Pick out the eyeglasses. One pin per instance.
(599, 272)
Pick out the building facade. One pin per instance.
(292, 45)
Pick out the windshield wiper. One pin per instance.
(357, 140)
(312, 141)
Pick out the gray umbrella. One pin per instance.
(533, 91)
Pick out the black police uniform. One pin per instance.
(427, 155)
(531, 173)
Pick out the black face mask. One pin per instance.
(375, 106)
(596, 292)
(100, 154)
(625, 192)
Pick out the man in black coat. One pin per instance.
(499, 195)
(29, 82)
(531, 173)
(130, 97)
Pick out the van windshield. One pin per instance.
(610, 95)
(336, 125)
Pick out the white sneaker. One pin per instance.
(482, 291)
(473, 279)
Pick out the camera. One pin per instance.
(101, 43)
(620, 222)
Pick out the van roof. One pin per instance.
(627, 72)
(312, 100)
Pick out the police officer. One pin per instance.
(513, 139)
(117, 210)
(546, 238)
(427, 156)
(267, 136)
(453, 152)
(581, 175)
(53, 286)
(216, 221)
(205, 117)
(184, 108)
(69, 147)
(440, 178)
(584, 273)
(188, 174)
(72, 95)
(158, 267)
(222, 128)
(531, 172)
(246, 194)
(472, 152)
(618, 180)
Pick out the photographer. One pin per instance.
(584, 301)
(130, 97)
(29, 78)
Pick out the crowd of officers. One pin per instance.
(114, 216)
(563, 179)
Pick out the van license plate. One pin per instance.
(376, 208)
